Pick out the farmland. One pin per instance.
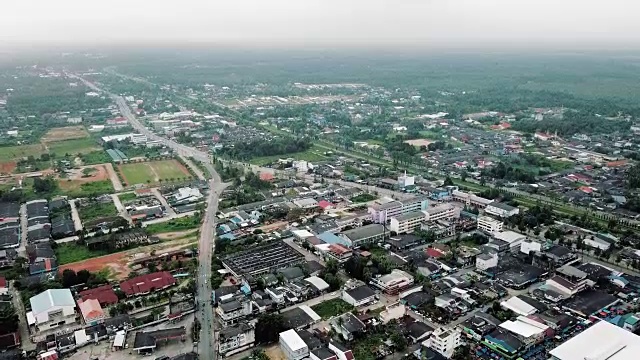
(152, 172)
(65, 133)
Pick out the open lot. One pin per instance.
(20, 151)
(65, 133)
(8, 167)
(153, 172)
(311, 155)
(87, 179)
(418, 142)
(74, 146)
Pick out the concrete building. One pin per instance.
(382, 213)
(52, 309)
(470, 200)
(233, 310)
(359, 296)
(489, 225)
(442, 212)
(513, 238)
(501, 210)
(292, 345)
(236, 338)
(528, 331)
(394, 282)
(444, 341)
(486, 261)
(406, 223)
(603, 340)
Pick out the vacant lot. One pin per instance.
(71, 252)
(73, 147)
(65, 133)
(152, 172)
(312, 155)
(97, 210)
(87, 181)
(419, 142)
(332, 307)
(8, 167)
(16, 152)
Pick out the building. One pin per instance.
(518, 306)
(444, 341)
(406, 223)
(52, 309)
(501, 210)
(442, 212)
(489, 225)
(528, 331)
(104, 294)
(603, 340)
(564, 286)
(367, 234)
(339, 252)
(394, 282)
(528, 246)
(359, 296)
(306, 203)
(512, 238)
(91, 311)
(145, 284)
(146, 342)
(382, 213)
(233, 310)
(347, 325)
(262, 259)
(486, 261)
(236, 338)
(186, 195)
(292, 345)
(322, 353)
(470, 200)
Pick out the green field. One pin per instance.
(153, 172)
(313, 154)
(332, 307)
(127, 197)
(15, 152)
(97, 210)
(71, 252)
(178, 224)
(72, 147)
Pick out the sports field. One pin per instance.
(153, 172)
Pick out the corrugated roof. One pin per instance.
(50, 298)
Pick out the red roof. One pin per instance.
(146, 283)
(586, 189)
(3, 282)
(104, 294)
(265, 176)
(338, 249)
(434, 253)
(324, 204)
(616, 163)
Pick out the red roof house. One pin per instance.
(145, 284)
(324, 204)
(104, 294)
(265, 176)
(434, 253)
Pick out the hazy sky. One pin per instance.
(321, 22)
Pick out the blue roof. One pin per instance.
(227, 236)
(331, 238)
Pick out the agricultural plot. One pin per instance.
(152, 172)
(75, 146)
(16, 152)
(65, 133)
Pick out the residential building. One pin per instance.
(145, 284)
(486, 261)
(52, 309)
(339, 252)
(341, 351)
(236, 338)
(91, 311)
(292, 345)
(489, 225)
(444, 341)
(442, 212)
(359, 296)
(347, 325)
(322, 353)
(406, 223)
(367, 234)
(394, 282)
(233, 310)
(501, 210)
(382, 213)
(602, 340)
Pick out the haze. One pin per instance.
(506, 23)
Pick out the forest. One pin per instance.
(281, 146)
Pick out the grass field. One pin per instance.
(313, 154)
(83, 189)
(76, 146)
(71, 252)
(97, 210)
(153, 172)
(65, 133)
(15, 152)
(126, 197)
(332, 307)
(179, 224)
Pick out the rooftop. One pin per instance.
(293, 340)
(601, 341)
(364, 232)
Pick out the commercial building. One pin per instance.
(367, 234)
(518, 306)
(406, 223)
(512, 238)
(444, 341)
(603, 340)
(233, 310)
(262, 259)
(52, 309)
(486, 261)
(442, 212)
(528, 331)
(565, 287)
(489, 225)
(146, 342)
(394, 282)
(501, 210)
(382, 213)
(292, 345)
(145, 284)
(236, 338)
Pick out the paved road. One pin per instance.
(121, 210)
(206, 243)
(22, 250)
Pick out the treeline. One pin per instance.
(510, 173)
(573, 123)
(260, 148)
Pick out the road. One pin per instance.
(121, 210)
(77, 222)
(206, 243)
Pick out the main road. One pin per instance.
(206, 243)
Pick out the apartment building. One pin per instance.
(442, 212)
(406, 223)
(382, 213)
(444, 341)
(489, 225)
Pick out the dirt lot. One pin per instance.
(65, 133)
(118, 263)
(419, 142)
(8, 167)
(76, 178)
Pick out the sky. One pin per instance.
(449, 23)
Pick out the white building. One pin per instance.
(470, 199)
(381, 213)
(513, 238)
(292, 345)
(187, 195)
(486, 261)
(444, 341)
(528, 330)
(564, 286)
(603, 340)
(489, 224)
(231, 311)
(52, 309)
(234, 339)
(518, 306)
(394, 282)
(442, 212)
(405, 223)
(501, 210)
(597, 243)
(529, 246)
(405, 181)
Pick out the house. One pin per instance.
(444, 341)
(341, 351)
(91, 311)
(233, 310)
(339, 252)
(347, 325)
(359, 296)
(292, 345)
(145, 284)
(325, 205)
(52, 309)
(104, 294)
(4, 288)
(394, 282)
(291, 274)
(236, 338)
(501, 210)
(186, 195)
(146, 342)
(417, 331)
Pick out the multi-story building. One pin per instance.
(489, 224)
(236, 338)
(442, 212)
(486, 261)
(367, 234)
(339, 252)
(292, 345)
(233, 310)
(382, 213)
(52, 309)
(444, 341)
(394, 282)
(501, 210)
(470, 199)
(406, 223)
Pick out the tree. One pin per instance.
(69, 278)
(268, 328)
(448, 181)
(399, 341)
